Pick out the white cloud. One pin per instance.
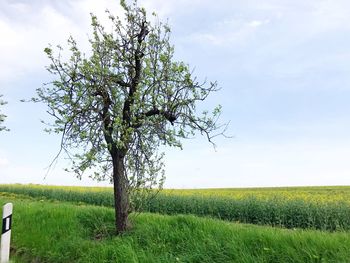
(247, 164)
(257, 23)
(23, 40)
(273, 27)
(227, 37)
(3, 162)
(169, 8)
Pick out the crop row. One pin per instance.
(275, 211)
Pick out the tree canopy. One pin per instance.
(116, 106)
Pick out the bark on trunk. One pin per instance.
(121, 199)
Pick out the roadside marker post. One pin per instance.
(6, 233)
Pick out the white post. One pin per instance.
(6, 233)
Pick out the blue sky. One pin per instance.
(283, 67)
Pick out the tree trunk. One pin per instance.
(121, 199)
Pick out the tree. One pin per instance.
(116, 107)
(2, 116)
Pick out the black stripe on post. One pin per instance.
(6, 227)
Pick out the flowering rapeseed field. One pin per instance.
(324, 208)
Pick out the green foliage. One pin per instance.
(268, 209)
(61, 233)
(2, 116)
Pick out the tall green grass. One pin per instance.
(51, 231)
(273, 210)
(94, 196)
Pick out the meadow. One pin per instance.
(319, 208)
(62, 232)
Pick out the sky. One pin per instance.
(283, 67)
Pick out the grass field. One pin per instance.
(56, 231)
(323, 208)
